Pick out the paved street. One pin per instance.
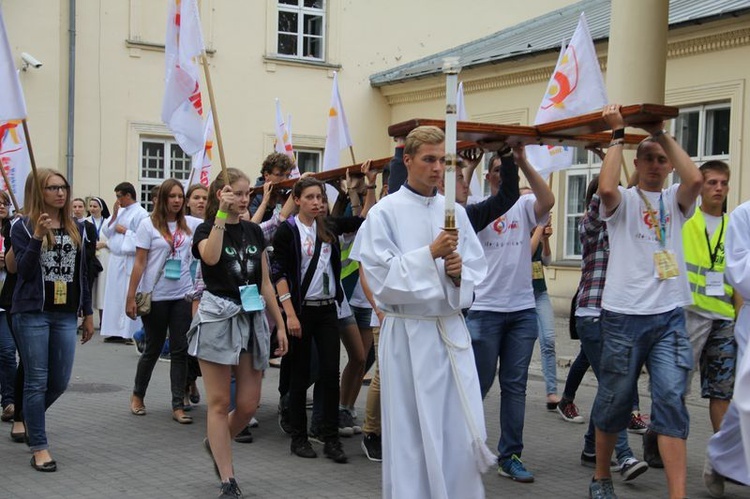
(105, 452)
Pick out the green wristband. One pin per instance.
(221, 215)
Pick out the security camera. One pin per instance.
(30, 60)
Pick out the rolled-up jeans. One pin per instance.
(47, 344)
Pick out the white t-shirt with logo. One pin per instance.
(159, 250)
(316, 291)
(631, 286)
(507, 247)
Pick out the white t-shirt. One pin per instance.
(159, 251)
(712, 223)
(631, 286)
(507, 247)
(316, 291)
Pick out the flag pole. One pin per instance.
(351, 151)
(215, 114)
(33, 161)
(10, 189)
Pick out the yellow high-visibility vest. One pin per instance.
(698, 263)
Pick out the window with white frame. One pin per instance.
(703, 131)
(160, 159)
(301, 29)
(309, 160)
(587, 166)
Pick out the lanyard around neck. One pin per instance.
(660, 229)
(715, 252)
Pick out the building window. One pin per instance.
(703, 131)
(587, 166)
(308, 160)
(160, 159)
(301, 29)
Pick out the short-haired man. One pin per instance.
(710, 320)
(127, 214)
(642, 319)
(421, 277)
(503, 319)
(276, 168)
(728, 453)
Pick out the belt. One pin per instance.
(318, 303)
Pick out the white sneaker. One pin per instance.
(253, 423)
(631, 468)
(713, 481)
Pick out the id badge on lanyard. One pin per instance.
(251, 299)
(714, 283)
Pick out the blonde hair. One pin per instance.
(423, 135)
(37, 206)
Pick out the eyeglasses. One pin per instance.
(56, 188)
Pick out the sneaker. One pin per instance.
(637, 424)
(302, 448)
(372, 446)
(589, 461)
(333, 450)
(230, 489)
(165, 357)
(345, 424)
(140, 344)
(244, 437)
(514, 469)
(284, 424)
(253, 423)
(355, 427)
(314, 434)
(713, 481)
(651, 450)
(631, 468)
(602, 489)
(569, 412)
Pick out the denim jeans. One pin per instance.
(575, 375)
(660, 342)
(507, 337)
(590, 333)
(546, 324)
(47, 344)
(172, 316)
(8, 364)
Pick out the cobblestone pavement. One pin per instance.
(105, 452)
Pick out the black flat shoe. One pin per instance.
(47, 467)
(18, 437)
(244, 437)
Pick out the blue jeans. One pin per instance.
(661, 342)
(590, 333)
(47, 344)
(508, 337)
(8, 364)
(546, 324)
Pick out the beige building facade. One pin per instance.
(260, 50)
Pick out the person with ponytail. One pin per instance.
(230, 333)
(51, 292)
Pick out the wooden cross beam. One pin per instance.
(586, 130)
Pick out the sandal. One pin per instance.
(180, 416)
(137, 410)
(47, 467)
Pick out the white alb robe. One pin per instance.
(121, 260)
(729, 448)
(427, 437)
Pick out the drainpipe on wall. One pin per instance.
(71, 87)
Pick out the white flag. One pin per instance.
(337, 137)
(460, 105)
(12, 104)
(182, 109)
(284, 138)
(14, 156)
(203, 159)
(576, 87)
